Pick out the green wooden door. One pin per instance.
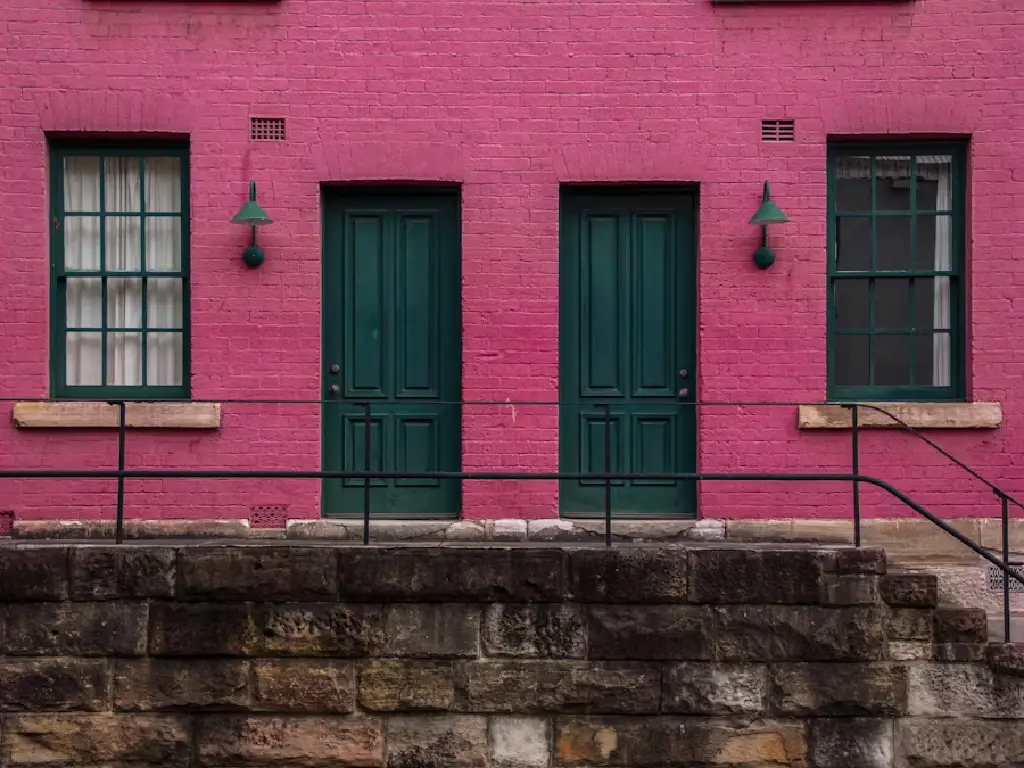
(392, 338)
(627, 339)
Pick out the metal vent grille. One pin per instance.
(778, 130)
(270, 516)
(266, 128)
(996, 577)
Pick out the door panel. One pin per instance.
(627, 337)
(392, 325)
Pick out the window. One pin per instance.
(896, 288)
(119, 245)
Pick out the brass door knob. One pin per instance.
(684, 392)
(334, 389)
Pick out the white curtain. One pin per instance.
(943, 263)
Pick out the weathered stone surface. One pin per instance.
(528, 687)
(53, 684)
(799, 633)
(466, 530)
(909, 624)
(449, 630)
(849, 589)
(850, 743)
(100, 739)
(949, 743)
(911, 590)
(437, 741)
(555, 630)
(682, 743)
(33, 573)
(958, 652)
(110, 572)
(838, 690)
(964, 690)
(289, 572)
(696, 688)
(1006, 658)
(304, 741)
(77, 629)
(303, 685)
(170, 684)
(507, 530)
(451, 574)
(751, 576)
(908, 650)
(201, 629)
(407, 686)
(639, 632)
(960, 625)
(853, 560)
(629, 575)
(520, 742)
(313, 629)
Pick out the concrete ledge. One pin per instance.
(135, 529)
(916, 415)
(91, 415)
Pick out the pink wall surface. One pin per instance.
(510, 99)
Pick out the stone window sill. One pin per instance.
(89, 415)
(916, 415)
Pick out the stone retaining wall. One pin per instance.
(507, 657)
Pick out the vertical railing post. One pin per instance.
(122, 434)
(1006, 561)
(607, 473)
(855, 449)
(366, 480)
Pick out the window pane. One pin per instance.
(853, 184)
(851, 305)
(892, 183)
(892, 303)
(932, 303)
(931, 359)
(82, 184)
(124, 302)
(82, 242)
(163, 244)
(892, 251)
(124, 359)
(892, 360)
(163, 359)
(122, 187)
(934, 182)
(124, 244)
(851, 361)
(853, 244)
(83, 355)
(934, 243)
(163, 184)
(84, 302)
(163, 302)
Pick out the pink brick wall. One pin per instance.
(510, 99)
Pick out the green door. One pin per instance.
(628, 341)
(392, 339)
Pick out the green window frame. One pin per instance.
(896, 269)
(137, 275)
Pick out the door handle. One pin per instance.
(684, 392)
(334, 389)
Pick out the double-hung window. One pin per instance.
(119, 261)
(896, 271)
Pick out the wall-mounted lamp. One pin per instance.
(251, 215)
(768, 213)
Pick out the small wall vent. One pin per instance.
(266, 129)
(268, 516)
(778, 130)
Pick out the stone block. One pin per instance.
(851, 743)
(532, 687)
(947, 742)
(223, 740)
(852, 560)
(303, 685)
(1006, 658)
(907, 650)
(751, 576)
(555, 630)
(960, 625)
(837, 690)
(466, 530)
(406, 530)
(187, 685)
(436, 741)
(77, 629)
(258, 573)
(407, 686)
(628, 575)
(321, 629)
(520, 742)
(911, 590)
(447, 630)
(909, 624)
(849, 589)
(799, 633)
(964, 690)
(715, 689)
(958, 652)
(643, 632)
(97, 739)
(53, 684)
(33, 573)
(556, 529)
(201, 629)
(112, 573)
(451, 574)
(506, 530)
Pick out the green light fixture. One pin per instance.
(251, 215)
(768, 213)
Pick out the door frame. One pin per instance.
(383, 190)
(689, 290)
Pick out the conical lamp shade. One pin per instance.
(769, 213)
(251, 215)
